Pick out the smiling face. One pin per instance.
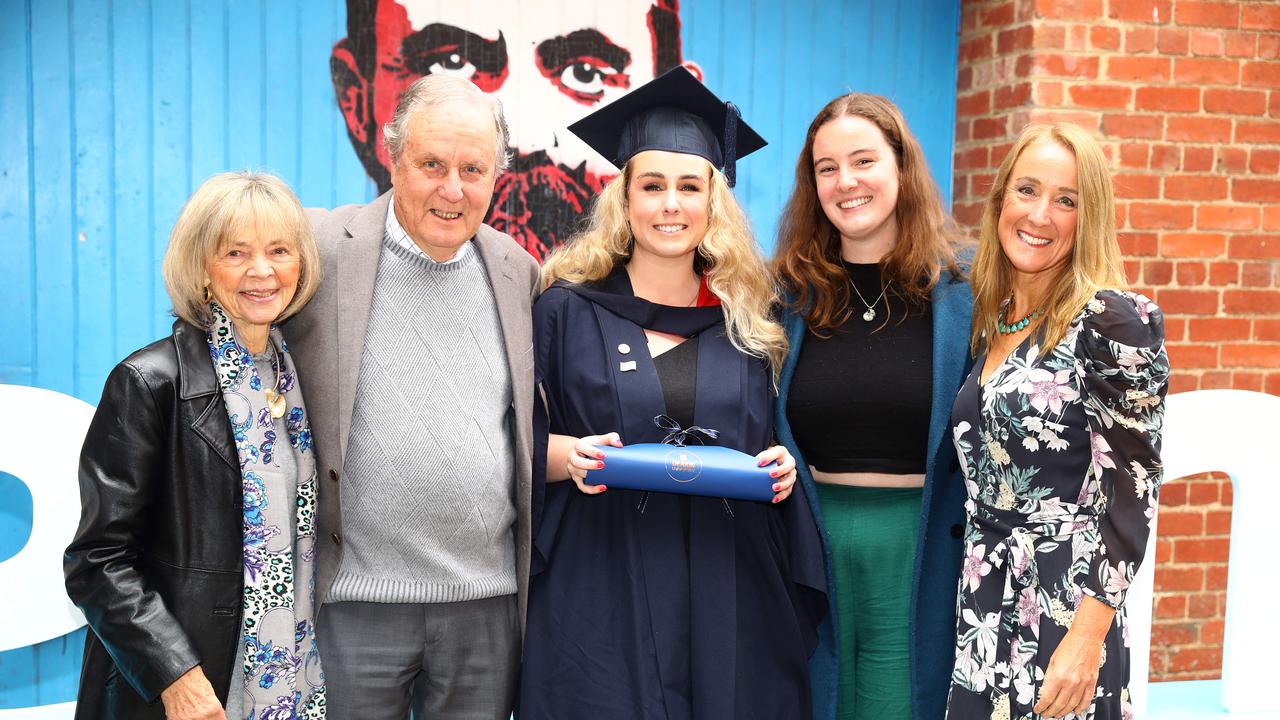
(253, 276)
(445, 174)
(1037, 227)
(856, 174)
(667, 202)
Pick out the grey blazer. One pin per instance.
(327, 343)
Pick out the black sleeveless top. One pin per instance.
(860, 400)
(678, 373)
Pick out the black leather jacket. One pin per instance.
(156, 562)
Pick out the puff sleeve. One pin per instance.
(1125, 375)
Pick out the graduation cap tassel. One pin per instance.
(731, 116)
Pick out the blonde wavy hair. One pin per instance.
(223, 207)
(728, 256)
(1094, 263)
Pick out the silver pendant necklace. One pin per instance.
(870, 314)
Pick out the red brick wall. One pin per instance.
(1185, 97)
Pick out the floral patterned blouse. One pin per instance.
(1061, 458)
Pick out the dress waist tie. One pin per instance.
(1019, 630)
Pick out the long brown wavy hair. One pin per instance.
(807, 263)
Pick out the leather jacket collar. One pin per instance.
(196, 379)
(195, 368)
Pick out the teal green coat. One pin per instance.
(938, 547)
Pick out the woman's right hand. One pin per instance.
(585, 457)
(191, 697)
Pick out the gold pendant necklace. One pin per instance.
(275, 401)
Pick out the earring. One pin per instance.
(208, 296)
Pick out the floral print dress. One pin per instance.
(1061, 458)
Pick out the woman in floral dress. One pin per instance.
(1058, 433)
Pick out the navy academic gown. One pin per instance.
(631, 613)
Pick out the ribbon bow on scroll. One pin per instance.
(677, 435)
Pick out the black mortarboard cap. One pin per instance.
(673, 112)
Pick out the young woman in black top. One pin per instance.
(877, 316)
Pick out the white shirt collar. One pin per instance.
(401, 237)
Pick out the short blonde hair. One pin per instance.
(220, 209)
(728, 255)
(1095, 262)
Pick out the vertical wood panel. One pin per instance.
(53, 109)
(824, 61)
(137, 267)
(283, 91)
(210, 108)
(171, 136)
(17, 322)
(799, 97)
(854, 45)
(246, 93)
(38, 281)
(772, 70)
(17, 667)
(318, 141)
(92, 223)
(942, 55)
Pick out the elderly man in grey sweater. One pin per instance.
(417, 354)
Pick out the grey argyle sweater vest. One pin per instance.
(428, 482)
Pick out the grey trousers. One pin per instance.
(443, 661)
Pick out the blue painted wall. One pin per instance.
(113, 110)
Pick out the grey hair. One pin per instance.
(431, 92)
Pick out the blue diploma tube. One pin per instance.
(709, 471)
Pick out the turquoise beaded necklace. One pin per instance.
(1010, 328)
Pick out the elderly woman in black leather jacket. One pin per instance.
(192, 562)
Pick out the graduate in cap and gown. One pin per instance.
(653, 605)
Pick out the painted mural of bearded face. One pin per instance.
(550, 64)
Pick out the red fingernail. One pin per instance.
(599, 466)
(599, 456)
(773, 473)
(776, 487)
(602, 488)
(776, 499)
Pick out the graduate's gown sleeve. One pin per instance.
(546, 312)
